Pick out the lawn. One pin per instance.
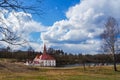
(74, 73)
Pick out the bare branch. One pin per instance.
(110, 38)
(16, 5)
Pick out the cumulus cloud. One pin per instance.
(80, 31)
(22, 25)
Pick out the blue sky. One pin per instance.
(54, 10)
(71, 25)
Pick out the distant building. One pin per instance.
(44, 59)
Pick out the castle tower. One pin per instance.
(45, 50)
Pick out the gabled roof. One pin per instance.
(44, 56)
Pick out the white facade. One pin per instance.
(46, 63)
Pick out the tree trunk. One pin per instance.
(114, 62)
(114, 58)
(84, 66)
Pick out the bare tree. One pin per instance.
(20, 5)
(16, 5)
(110, 38)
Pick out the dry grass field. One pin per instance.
(14, 71)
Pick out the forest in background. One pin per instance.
(62, 58)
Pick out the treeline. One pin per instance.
(61, 57)
(18, 55)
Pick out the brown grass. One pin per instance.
(15, 71)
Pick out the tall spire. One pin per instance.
(44, 51)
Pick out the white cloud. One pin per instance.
(84, 23)
(22, 24)
(78, 33)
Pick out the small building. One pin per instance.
(44, 59)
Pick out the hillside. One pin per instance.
(9, 65)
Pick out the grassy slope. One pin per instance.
(18, 72)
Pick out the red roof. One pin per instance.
(44, 56)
